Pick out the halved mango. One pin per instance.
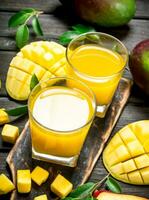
(44, 59)
(126, 156)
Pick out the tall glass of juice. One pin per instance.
(61, 111)
(97, 59)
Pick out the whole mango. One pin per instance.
(107, 13)
(139, 65)
(114, 196)
(126, 156)
(44, 59)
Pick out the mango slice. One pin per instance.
(41, 197)
(24, 181)
(61, 186)
(4, 118)
(126, 156)
(39, 175)
(6, 185)
(43, 58)
(10, 133)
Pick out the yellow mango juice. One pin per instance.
(60, 120)
(98, 67)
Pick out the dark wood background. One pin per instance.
(55, 21)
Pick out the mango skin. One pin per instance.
(107, 13)
(139, 65)
(114, 196)
(126, 156)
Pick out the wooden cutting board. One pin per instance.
(20, 155)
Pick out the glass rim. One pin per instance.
(67, 131)
(95, 77)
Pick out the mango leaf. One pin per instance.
(113, 185)
(22, 36)
(20, 17)
(78, 29)
(83, 28)
(82, 191)
(36, 26)
(69, 198)
(66, 37)
(19, 111)
(34, 81)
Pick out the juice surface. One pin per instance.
(100, 64)
(96, 61)
(62, 113)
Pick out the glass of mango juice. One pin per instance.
(61, 111)
(97, 59)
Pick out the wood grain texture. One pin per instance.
(20, 155)
(50, 6)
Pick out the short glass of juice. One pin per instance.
(97, 59)
(61, 111)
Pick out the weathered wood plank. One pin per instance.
(49, 6)
(53, 26)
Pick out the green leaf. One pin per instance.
(34, 81)
(19, 111)
(22, 36)
(66, 37)
(82, 191)
(78, 29)
(20, 17)
(113, 185)
(36, 26)
(69, 198)
(83, 28)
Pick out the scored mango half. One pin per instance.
(126, 156)
(44, 59)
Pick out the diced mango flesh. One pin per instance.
(39, 175)
(24, 181)
(6, 185)
(127, 155)
(10, 133)
(4, 118)
(35, 58)
(61, 186)
(41, 197)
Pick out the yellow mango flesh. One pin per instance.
(126, 156)
(41, 197)
(39, 175)
(23, 181)
(4, 118)
(10, 133)
(61, 186)
(43, 58)
(6, 185)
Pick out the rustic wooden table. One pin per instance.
(55, 21)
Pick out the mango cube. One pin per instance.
(39, 175)
(5, 185)
(41, 197)
(10, 133)
(61, 186)
(23, 181)
(4, 118)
